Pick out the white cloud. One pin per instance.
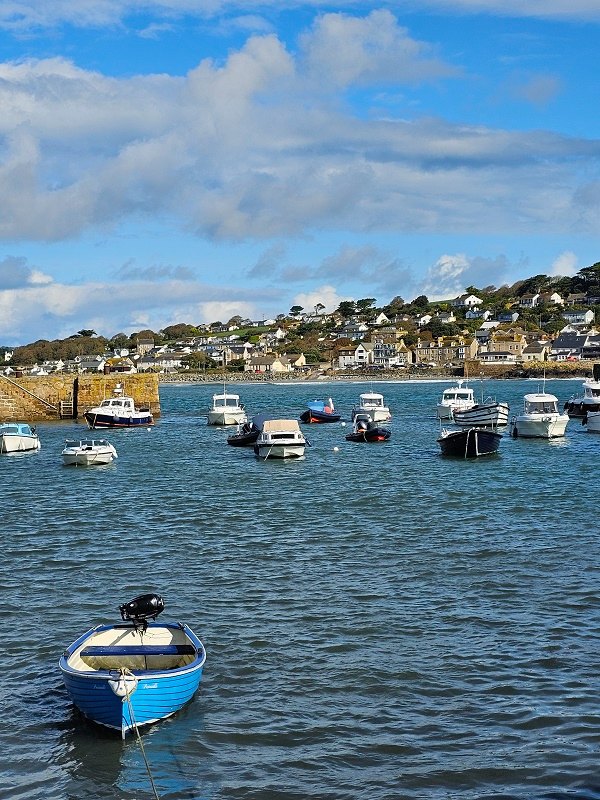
(564, 265)
(325, 295)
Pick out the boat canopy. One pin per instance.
(226, 400)
(540, 403)
(279, 425)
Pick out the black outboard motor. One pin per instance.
(139, 610)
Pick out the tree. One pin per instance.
(365, 304)
(197, 360)
(347, 308)
(86, 332)
(235, 322)
(295, 311)
(421, 301)
(319, 308)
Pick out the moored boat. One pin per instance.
(88, 452)
(589, 401)
(372, 403)
(488, 414)
(540, 418)
(592, 421)
(226, 409)
(132, 674)
(320, 411)
(455, 398)
(469, 442)
(118, 411)
(247, 433)
(365, 429)
(280, 438)
(18, 437)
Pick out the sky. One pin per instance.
(167, 161)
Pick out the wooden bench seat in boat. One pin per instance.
(139, 650)
(138, 656)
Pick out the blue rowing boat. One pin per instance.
(320, 411)
(132, 674)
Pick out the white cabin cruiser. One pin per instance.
(372, 403)
(18, 437)
(227, 410)
(582, 404)
(280, 438)
(88, 452)
(540, 418)
(455, 398)
(118, 411)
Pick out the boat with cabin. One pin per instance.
(18, 437)
(136, 673)
(540, 418)
(455, 398)
(592, 421)
(280, 438)
(372, 403)
(118, 411)
(226, 409)
(247, 433)
(88, 452)
(589, 400)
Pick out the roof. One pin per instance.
(290, 425)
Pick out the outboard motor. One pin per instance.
(142, 608)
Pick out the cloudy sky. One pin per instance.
(168, 161)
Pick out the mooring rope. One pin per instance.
(124, 673)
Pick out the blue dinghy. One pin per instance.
(132, 674)
(320, 411)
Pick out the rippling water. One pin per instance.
(380, 622)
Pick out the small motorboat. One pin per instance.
(540, 418)
(469, 442)
(247, 434)
(18, 437)
(320, 411)
(88, 452)
(588, 400)
(226, 409)
(455, 398)
(372, 403)
(592, 420)
(280, 438)
(118, 411)
(127, 675)
(365, 429)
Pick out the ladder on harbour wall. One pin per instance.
(50, 409)
(65, 409)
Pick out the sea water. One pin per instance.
(380, 621)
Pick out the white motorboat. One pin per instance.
(118, 411)
(592, 420)
(488, 414)
(540, 418)
(280, 438)
(455, 398)
(18, 437)
(227, 410)
(582, 404)
(373, 404)
(88, 452)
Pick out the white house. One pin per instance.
(466, 301)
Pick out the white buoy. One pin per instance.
(336, 449)
(343, 424)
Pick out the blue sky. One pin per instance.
(167, 161)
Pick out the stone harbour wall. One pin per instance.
(42, 398)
